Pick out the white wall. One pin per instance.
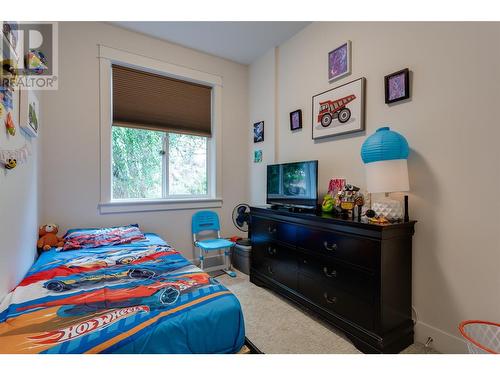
(19, 212)
(451, 124)
(262, 107)
(71, 142)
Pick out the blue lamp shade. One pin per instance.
(385, 154)
(384, 144)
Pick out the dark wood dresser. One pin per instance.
(355, 275)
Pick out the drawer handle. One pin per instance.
(329, 299)
(271, 250)
(331, 247)
(270, 270)
(271, 229)
(329, 274)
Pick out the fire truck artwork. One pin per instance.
(339, 110)
(332, 109)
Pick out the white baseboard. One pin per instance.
(443, 342)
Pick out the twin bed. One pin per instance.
(140, 297)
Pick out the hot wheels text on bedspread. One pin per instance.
(30, 55)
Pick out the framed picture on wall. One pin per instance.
(29, 114)
(340, 110)
(339, 62)
(397, 86)
(296, 120)
(257, 156)
(11, 35)
(258, 132)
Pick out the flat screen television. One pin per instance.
(293, 184)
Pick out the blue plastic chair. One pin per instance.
(208, 221)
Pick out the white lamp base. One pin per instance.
(391, 209)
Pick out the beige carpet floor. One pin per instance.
(277, 326)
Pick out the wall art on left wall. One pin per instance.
(29, 116)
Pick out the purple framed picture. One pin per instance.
(296, 120)
(339, 62)
(397, 86)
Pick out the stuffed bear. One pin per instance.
(48, 238)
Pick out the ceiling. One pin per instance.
(243, 42)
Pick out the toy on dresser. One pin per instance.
(343, 198)
(349, 198)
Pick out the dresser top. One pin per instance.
(327, 218)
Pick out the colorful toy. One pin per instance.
(48, 237)
(11, 164)
(9, 124)
(9, 71)
(6, 97)
(37, 62)
(11, 158)
(348, 198)
(328, 203)
(379, 220)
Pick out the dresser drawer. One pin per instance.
(355, 250)
(328, 272)
(264, 230)
(277, 262)
(337, 301)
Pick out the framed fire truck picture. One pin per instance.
(340, 110)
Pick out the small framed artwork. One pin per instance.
(10, 31)
(296, 120)
(340, 110)
(397, 86)
(339, 62)
(29, 115)
(257, 156)
(258, 132)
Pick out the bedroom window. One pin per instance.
(160, 136)
(150, 164)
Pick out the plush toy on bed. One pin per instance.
(48, 237)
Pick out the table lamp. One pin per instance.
(385, 155)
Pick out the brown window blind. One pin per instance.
(146, 100)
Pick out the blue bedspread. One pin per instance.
(137, 298)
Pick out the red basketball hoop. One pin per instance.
(482, 337)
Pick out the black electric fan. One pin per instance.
(241, 217)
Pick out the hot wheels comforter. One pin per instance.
(137, 298)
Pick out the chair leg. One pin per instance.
(201, 258)
(227, 263)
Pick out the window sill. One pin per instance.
(122, 206)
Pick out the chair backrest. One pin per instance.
(205, 220)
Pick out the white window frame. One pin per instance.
(107, 57)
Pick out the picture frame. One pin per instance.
(339, 62)
(10, 32)
(258, 132)
(339, 111)
(257, 156)
(397, 86)
(296, 120)
(29, 116)
(9, 93)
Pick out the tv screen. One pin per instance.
(293, 184)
